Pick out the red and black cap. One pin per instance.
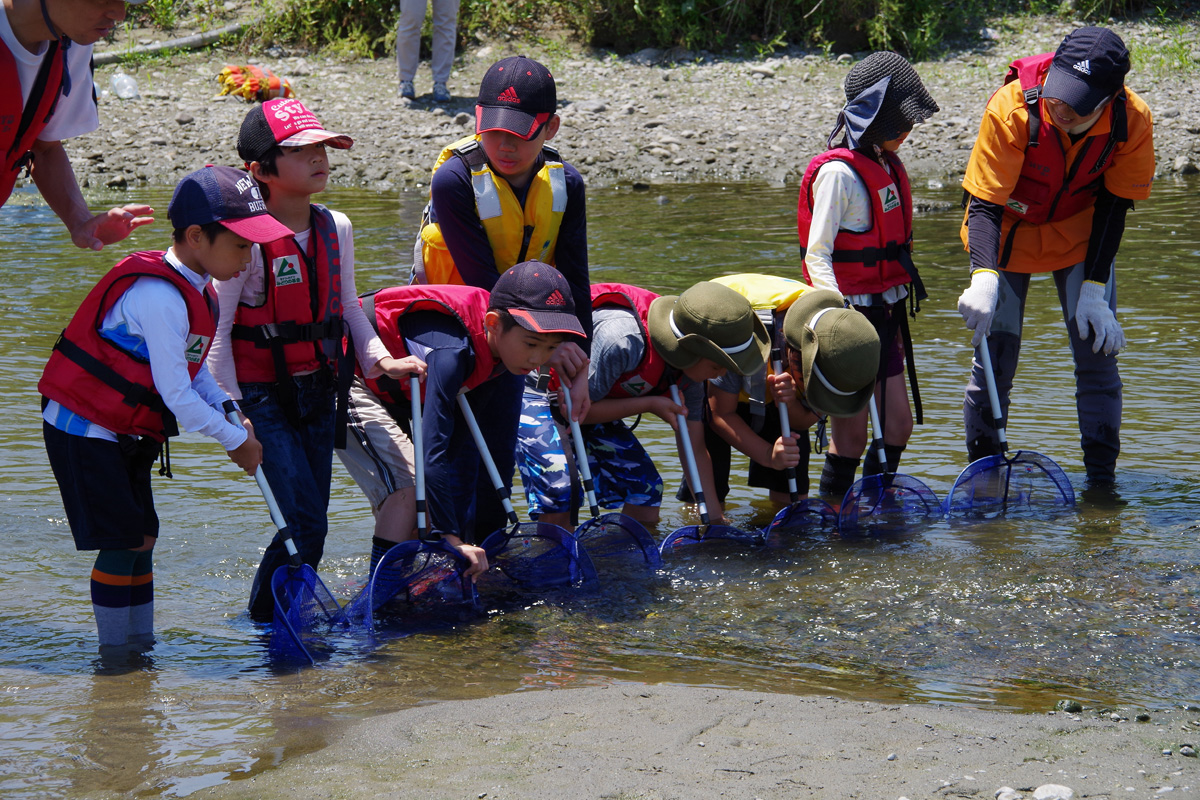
(517, 95)
(538, 297)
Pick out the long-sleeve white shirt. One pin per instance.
(840, 202)
(151, 319)
(248, 287)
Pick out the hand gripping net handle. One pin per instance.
(585, 469)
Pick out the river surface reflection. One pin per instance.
(1098, 603)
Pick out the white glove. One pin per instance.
(1093, 311)
(977, 303)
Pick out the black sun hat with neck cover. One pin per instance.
(884, 99)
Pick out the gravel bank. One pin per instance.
(650, 117)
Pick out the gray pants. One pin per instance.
(408, 37)
(1097, 382)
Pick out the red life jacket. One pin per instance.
(880, 257)
(649, 376)
(297, 328)
(108, 385)
(467, 304)
(1047, 190)
(20, 125)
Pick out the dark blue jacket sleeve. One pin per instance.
(443, 345)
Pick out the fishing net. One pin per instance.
(304, 613)
(996, 484)
(415, 581)
(697, 534)
(806, 514)
(536, 556)
(886, 502)
(617, 536)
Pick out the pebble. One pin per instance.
(1053, 791)
(891, 757)
(1008, 793)
(1070, 706)
(1187, 750)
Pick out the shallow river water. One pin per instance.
(1099, 603)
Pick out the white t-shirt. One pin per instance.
(248, 287)
(76, 112)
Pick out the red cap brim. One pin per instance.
(547, 321)
(260, 228)
(518, 123)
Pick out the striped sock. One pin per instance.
(112, 584)
(378, 548)
(141, 601)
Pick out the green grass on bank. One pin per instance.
(920, 29)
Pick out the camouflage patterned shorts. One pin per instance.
(621, 468)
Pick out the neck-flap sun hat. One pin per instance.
(884, 98)
(839, 352)
(708, 321)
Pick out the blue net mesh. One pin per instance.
(697, 534)
(305, 611)
(886, 502)
(617, 536)
(536, 556)
(996, 484)
(806, 514)
(415, 583)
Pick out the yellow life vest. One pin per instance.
(770, 297)
(515, 233)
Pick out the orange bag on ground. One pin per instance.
(253, 83)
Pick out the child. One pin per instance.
(855, 223)
(743, 413)
(127, 373)
(278, 346)
(467, 340)
(504, 196)
(642, 344)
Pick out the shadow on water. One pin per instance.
(1097, 603)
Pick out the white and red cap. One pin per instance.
(283, 122)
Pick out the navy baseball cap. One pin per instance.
(1088, 68)
(517, 95)
(228, 196)
(538, 297)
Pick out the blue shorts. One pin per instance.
(621, 468)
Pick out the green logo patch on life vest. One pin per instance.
(1017, 206)
(635, 386)
(889, 197)
(287, 270)
(197, 346)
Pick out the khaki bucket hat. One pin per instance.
(839, 352)
(708, 321)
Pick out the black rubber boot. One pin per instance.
(837, 476)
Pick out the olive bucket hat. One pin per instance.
(708, 321)
(839, 352)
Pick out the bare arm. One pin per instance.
(55, 179)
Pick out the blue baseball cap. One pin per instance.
(228, 196)
(1088, 68)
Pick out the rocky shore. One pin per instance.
(645, 118)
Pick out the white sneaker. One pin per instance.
(408, 90)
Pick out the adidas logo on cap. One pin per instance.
(509, 95)
(1083, 66)
(555, 299)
